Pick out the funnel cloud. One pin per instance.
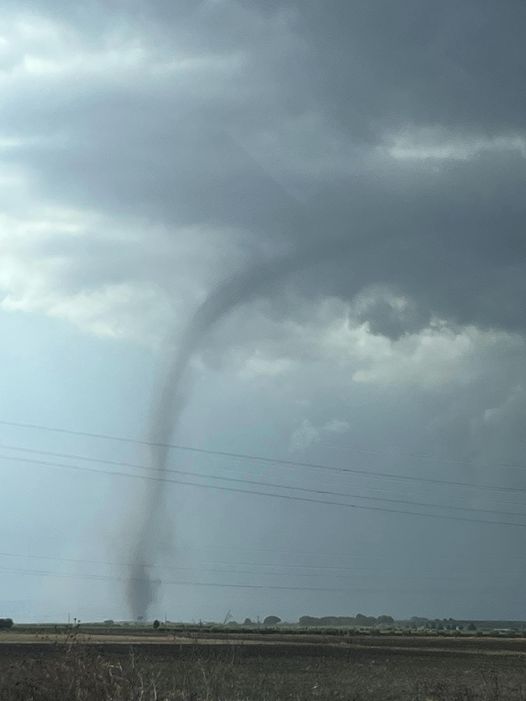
(169, 404)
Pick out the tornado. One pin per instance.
(167, 409)
(169, 403)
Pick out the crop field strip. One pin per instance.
(340, 643)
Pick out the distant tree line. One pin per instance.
(6, 623)
(272, 621)
(358, 620)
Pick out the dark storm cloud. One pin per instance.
(386, 64)
(208, 143)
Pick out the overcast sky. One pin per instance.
(150, 150)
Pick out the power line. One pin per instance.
(358, 570)
(230, 564)
(267, 460)
(232, 567)
(288, 497)
(220, 585)
(175, 446)
(227, 563)
(259, 483)
(229, 585)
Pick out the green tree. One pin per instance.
(271, 621)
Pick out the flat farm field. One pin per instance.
(172, 665)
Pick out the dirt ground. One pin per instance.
(257, 667)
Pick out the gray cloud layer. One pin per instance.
(207, 115)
